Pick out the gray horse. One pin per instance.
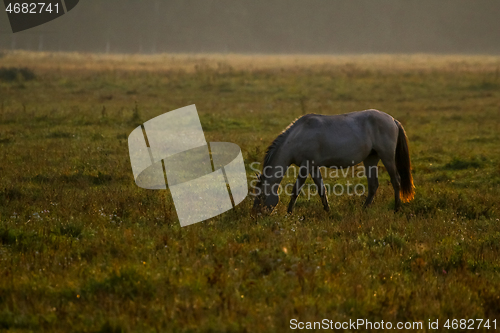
(338, 141)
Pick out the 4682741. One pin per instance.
(470, 324)
(32, 8)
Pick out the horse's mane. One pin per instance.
(276, 144)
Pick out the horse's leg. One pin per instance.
(371, 172)
(301, 179)
(318, 180)
(390, 165)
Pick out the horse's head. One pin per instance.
(266, 195)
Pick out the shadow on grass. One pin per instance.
(11, 74)
(460, 164)
(459, 205)
(126, 283)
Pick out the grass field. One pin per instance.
(83, 249)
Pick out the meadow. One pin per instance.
(83, 249)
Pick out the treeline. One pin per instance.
(268, 26)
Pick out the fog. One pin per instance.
(267, 26)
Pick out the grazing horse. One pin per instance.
(338, 141)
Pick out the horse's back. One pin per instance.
(371, 116)
(358, 123)
(341, 139)
(377, 127)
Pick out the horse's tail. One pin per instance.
(403, 164)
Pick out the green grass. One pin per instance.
(83, 249)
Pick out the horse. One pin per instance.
(314, 141)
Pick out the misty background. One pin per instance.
(266, 26)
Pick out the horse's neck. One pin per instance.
(275, 172)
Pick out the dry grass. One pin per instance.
(192, 62)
